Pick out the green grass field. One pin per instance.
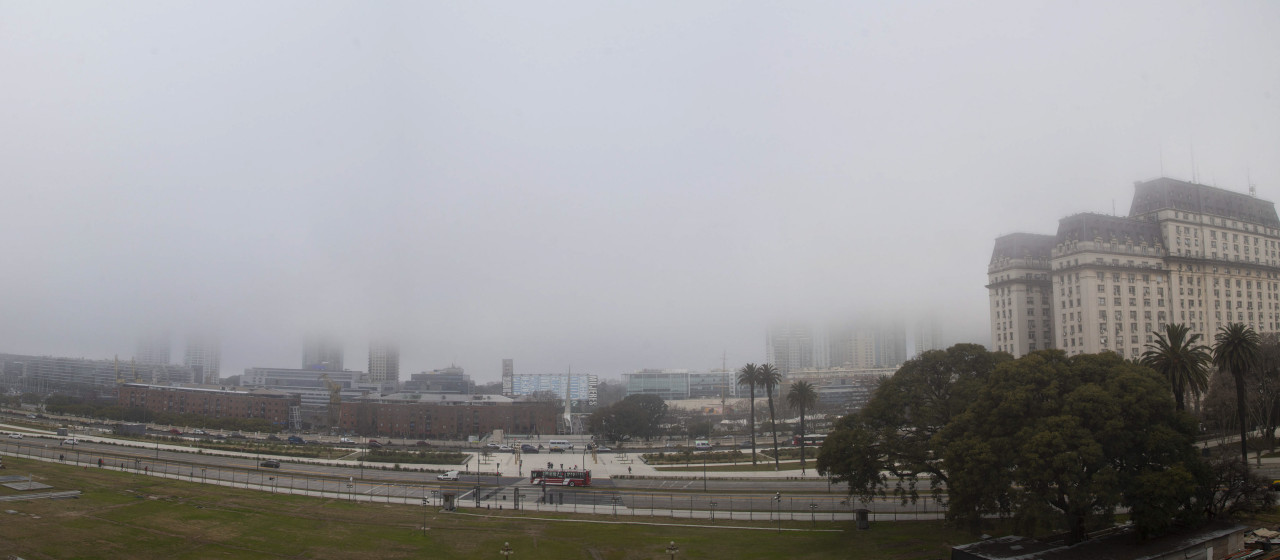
(129, 516)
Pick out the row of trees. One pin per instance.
(802, 397)
(1052, 441)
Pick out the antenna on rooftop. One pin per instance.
(1248, 177)
(1195, 175)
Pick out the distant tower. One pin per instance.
(322, 352)
(384, 361)
(153, 348)
(508, 376)
(204, 357)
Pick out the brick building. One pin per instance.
(214, 402)
(445, 416)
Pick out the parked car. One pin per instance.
(526, 448)
(451, 475)
(271, 463)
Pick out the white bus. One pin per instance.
(559, 445)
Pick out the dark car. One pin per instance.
(424, 444)
(374, 444)
(526, 448)
(272, 463)
(236, 435)
(745, 445)
(296, 440)
(273, 437)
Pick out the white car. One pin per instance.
(451, 475)
(198, 432)
(70, 441)
(15, 436)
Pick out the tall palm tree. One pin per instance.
(749, 375)
(1180, 360)
(769, 377)
(802, 396)
(1235, 350)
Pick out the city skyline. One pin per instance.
(606, 188)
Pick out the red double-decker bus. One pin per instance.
(560, 477)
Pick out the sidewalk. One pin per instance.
(613, 465)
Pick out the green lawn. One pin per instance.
(130, 516)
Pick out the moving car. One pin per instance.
(451, 475)
(70, 441)
(175, 431)
(373, 444)
(506, 449)
(296, 440)
(272, 463)
(15, 435)
(526, 448)
(345, 440)
(559, 445)
(198, 432)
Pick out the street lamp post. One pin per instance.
(813, 514)
(506, 550)
(777, 508)
(672, 549)
(424, 517)
(713, 510)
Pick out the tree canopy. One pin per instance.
(636, 416)
(1049, 440)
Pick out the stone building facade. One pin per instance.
(1187, 253)
(214, 402)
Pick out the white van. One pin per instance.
(702, 445)
(559, 445)
(451, 475)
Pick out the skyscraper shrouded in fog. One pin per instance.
(384, 361)
(508, 376)
(153, 348)
(864, 343)
(1186, 254)
(322, 352)
(204, 356)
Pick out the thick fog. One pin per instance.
(602, 186)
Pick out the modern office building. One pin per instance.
(452, 379)
(1186, 254)
(204, 356)
(384, 361)
(679, 384)
(314, 388)
(841, 390)
(153, 348)
(789, 346)
(46, 374)
(582, 387)
(508, 371)
(322, 352)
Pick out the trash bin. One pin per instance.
(863, 516)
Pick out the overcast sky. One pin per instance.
(602, 186)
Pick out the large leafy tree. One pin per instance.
(636, 415)
(894, 432)
(1177, 355)
(770, 378)
(749, 375)
(1062, 442)
(1235, 350)
(802, 397)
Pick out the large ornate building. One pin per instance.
(1186, 253)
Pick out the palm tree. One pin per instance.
(1235, 349)
(802, 396)
(749, 375)
(770, 377)
(1180, 360)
